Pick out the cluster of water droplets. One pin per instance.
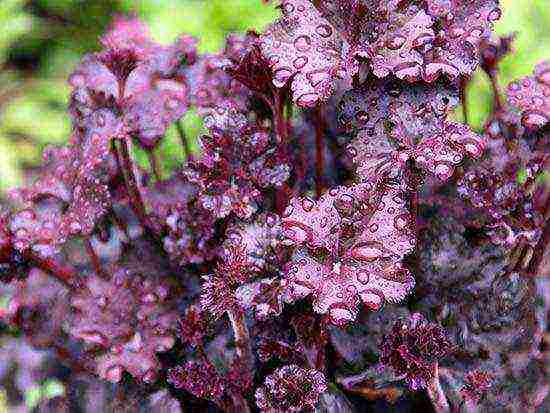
(303, 48)
(128, 318)
(532, 96)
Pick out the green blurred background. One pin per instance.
(41, 41)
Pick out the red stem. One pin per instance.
(153, 162)
(414, 180)
(437, 396)
(242, 338)
(281, 133)
(496, 91)
(94, 258)
(319, 150)
(244, 352)
(464, 99)
(136, 202)
(184, 142)
(279, 118)
(301, 165)
(67, 275)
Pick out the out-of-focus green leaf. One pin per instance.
(49, 390)
(10, 171)
(39, 113)
(208, 20)
(15, 22)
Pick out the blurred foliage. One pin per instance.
(41, 41)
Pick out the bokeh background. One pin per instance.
(41, 42)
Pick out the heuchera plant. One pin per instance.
(340, 238)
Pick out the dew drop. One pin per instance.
(281, 76)
(287, 7)
(302, 43)
(443, 171)
(316, 77)
(362, 117)
(307, 99)
(494, 15)
(288, 211)
(473, 149)
(401, 222)
(363, 277)
(300, 62)
(395, 42)
(514, 87)
(372, 300)
(114, 374)
(308, 204)
(367, 252)
(341, 316)
(324, 30)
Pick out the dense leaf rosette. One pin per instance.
(238, 161)
(441, 38)
(506, 187)
(199, 378)
(509, 184)
(413, 348)
(291, 389)
(477, 384)
(218, 288)
(71, 194)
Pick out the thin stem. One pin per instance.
(540, 251)
(436, 394)
(281, 133)
(136, 202)
(67, 275)
(464, 99)
(184, 142)
(301, 164)
(94, 258)
(349, 382)
(414, 179)
(244, 352)
(319, 150)
(279, 119)
(153, 162)
(242, 338)
(496, 91)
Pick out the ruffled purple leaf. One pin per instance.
(395, 124)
